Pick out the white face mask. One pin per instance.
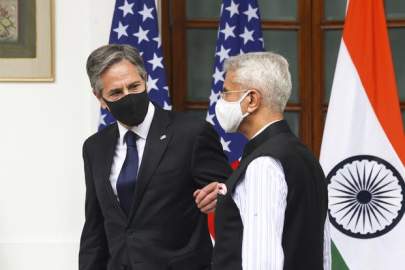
(229, 114)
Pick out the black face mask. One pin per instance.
(131, 109)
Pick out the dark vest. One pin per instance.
(305, 213)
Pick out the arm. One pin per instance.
(93, 253)
(261, 199)
(209, 163)
(209, 166)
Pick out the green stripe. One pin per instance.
(337, 261)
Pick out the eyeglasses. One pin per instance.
(226, 92)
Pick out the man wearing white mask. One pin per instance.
(272, 213)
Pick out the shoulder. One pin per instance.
(287, 147)
(264, 165)
(189, 124)
(100, 136)
(263, 175)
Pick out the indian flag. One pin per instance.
(363, 147)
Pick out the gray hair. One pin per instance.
(104, 57)
(265, 71)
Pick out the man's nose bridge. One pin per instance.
(125, 90)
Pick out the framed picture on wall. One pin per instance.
(26, 40)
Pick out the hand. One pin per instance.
(206, 198)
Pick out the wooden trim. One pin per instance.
(338, 24)
(317, 75)
(197, 105)
(166, 34)
(284, 25)
(293, 25)
(332, 25)
(304, 65)
(294, 108)
(395, 23)
(202, 24)
(179, 54)
(401, 106)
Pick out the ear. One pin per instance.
(98, 95)
(253, 100)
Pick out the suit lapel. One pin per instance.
(107, 149)
(156, 144)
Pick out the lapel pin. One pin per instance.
(162, 137)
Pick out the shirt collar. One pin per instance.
(142, 129)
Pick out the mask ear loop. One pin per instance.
(241, 99)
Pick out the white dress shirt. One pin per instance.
(120, 153)
(261, 197)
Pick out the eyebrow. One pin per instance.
(133, 84)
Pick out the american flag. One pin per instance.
(239, 32)
(135, 22)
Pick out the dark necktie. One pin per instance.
(127, 178)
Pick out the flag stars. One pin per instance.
(137, 25)
(166, 106)
(142, 35)
(127, 8)
(158, 41)
(146, 13)
(210, 119)
(213, 98)
(251, 13)
(156, 62)
(121, 30)
(228, 31)
(233, 9)
(223, 53)
(247, 36)
(152, 84)
(225, 145)
(102, 119)
(218, 75)
(261, 40)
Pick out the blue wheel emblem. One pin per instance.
(366, 196)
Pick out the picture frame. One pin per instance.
(27, 41)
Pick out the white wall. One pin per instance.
(43, 126)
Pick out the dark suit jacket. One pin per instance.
(164, 229)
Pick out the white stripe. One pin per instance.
(352, 128)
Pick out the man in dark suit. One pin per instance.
(272, 212)
(141, 174)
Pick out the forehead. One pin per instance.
(120, 73)
(230, 82)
